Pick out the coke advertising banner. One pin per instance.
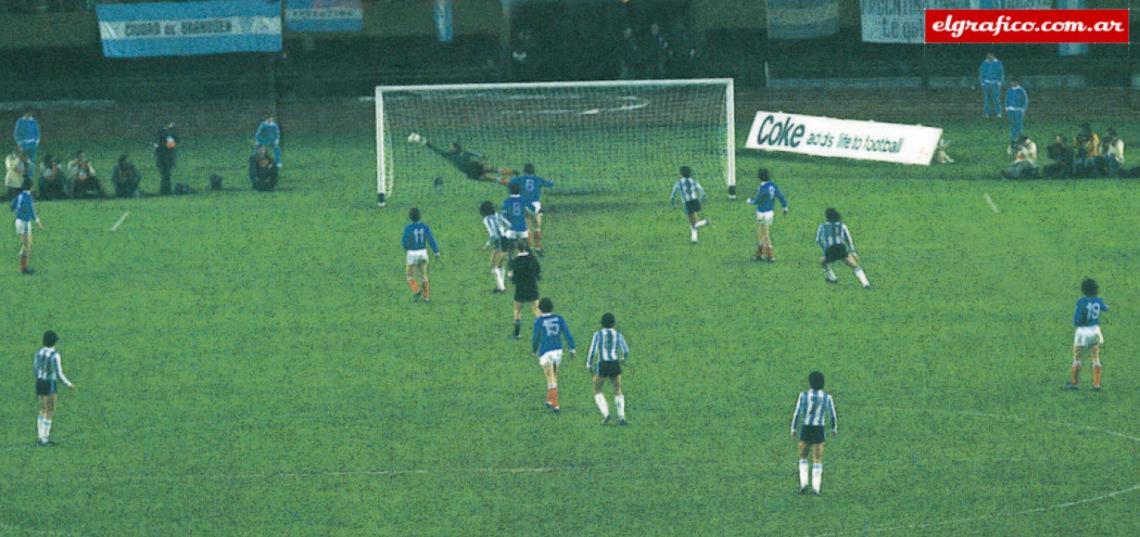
(830, 137)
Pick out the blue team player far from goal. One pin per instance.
(268, 135)
(473, 165)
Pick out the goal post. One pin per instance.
(588, 136)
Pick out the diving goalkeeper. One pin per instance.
(472, 164)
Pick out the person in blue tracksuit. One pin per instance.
(991, 75)
(27, 134)
(269, 135)
(1016, 101)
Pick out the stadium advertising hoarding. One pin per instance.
(802, 19)
(829, 137)
(903, 21)
(191, 28)
(324, 15)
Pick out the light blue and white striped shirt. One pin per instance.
(832, 233)
(607, 345)
(815, 406)
(496, 225)
(48, 365)
(689, 189)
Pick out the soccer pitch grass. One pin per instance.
(252, 364)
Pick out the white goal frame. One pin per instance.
(386, 177)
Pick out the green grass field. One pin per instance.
(252, 364)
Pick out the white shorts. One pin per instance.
(23, 227)
(765, 217)
(417, 257)
(1087, 336)
(517, 235)
(553, 357)
(536, 207)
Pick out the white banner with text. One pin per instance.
(830, 137)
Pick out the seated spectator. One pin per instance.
(262, 170)
(1087, 145)
(82, 176)
(1112, 149)
(18, 168)
(1024, 161)
(1061, 153)
(126, 178)
(53, 181)
(940, 154)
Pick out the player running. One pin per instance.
(765, 202)
(524, 272)
(497, 226)
(25, 215)
(815, 406)
(607, 351)
(692, 194)
(417, 237)
(473, 165)
(515, 209)
(546, 344)
(835, 240)
(1087, 320)
(49, 370)
(531, 187)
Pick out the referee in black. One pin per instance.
(524, 272)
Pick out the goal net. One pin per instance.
(586, 136)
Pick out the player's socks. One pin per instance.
(427, 290)
(805, 482)
(830, 274)
(759, 252)
(816, 476)
(40, 427)
(518, 326)
(862, 277)
(600, 400)
(23, 263)
(1075, 372)
(500, 278)
(537, 238)
(1096, 373)
(693, 234)
(619, 402)
(47, 429)
(414, 285)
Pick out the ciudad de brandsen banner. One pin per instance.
(830, 137)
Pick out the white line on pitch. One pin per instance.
(990, 201)
(120, 221)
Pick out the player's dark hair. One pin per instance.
(832, 215)
(528, 168)
(1089, 287)
(486, 208)
(26, 185)
(414, 214)
(514, 188)
(50, 338)
(546, 305)
(762, 175)
(686, 171)
(608, 320)
(815, 380)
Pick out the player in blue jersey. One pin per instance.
(268, 135)
(692, 194)
(473, 165)
(1087, 320)
(25, 214)
(546, 344)
(496, 225)
(835, 240)
(417, 238)
(765, 202)
(813, 408)
(515, 209)
(49, 371)
(531, 187)
(608, 350)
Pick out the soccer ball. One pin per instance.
(415, 138)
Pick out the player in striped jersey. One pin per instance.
(531, 187)
(765, 202)
(546, 344)
(1087, 320)
(496, 225)
(607, 351)
(813, 408)
(49, 370)
(25, 215)
(835, 240)
(691, 193)
(417, 237)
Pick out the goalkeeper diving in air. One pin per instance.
(472, 164)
